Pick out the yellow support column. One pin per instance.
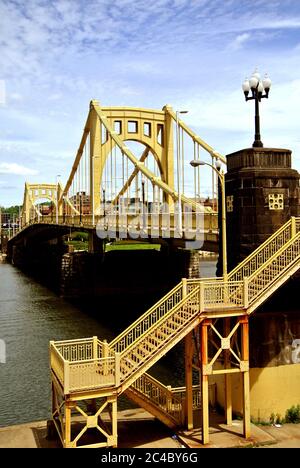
(68, 419)
(189, 380)
(188, 342)
(228, 390)
(204, 381)
(245, 372)
(168, 155)
(95, 160)
(114, 423)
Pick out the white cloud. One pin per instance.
(16, 169)
(238, 42)
(2, 92)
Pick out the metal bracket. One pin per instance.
(225, 343)
(244, 366)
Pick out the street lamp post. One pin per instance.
(56, 198)
(217, 168)
(257, 87)
(178, 169)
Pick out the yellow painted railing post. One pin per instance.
(105, 356)
(201, 297)
(245, 372)
(293, 226)
(66, 377)
(246, 295)
(169, 398)
(228, 389)
(95, 347)
(117, 369)
(184, 287)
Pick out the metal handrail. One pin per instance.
(257, 251)
(162, 396)
(159, 323)
(114, 344)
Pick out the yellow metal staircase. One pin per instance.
(150, 337)
(121, 365)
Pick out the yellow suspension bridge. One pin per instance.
(123, 195)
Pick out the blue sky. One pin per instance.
(55, 56)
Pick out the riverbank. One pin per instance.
(138, 429)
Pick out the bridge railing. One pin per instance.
(161, 224)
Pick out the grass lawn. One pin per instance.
(129, 245)
(117, 245)
(78, 245)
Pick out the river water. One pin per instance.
(30, 316)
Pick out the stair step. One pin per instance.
(128, 362)
(152, 340)
(162, 333)
(138, 358)
(172, 326)
(147, 344)
(177, 323)
(144, 351)
(182, 315)
(124, 365)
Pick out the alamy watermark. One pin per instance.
(152, 221)
(2, 352)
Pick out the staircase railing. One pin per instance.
(160, 396)
(265, 251)
(148, 319)
(274, 268)
(158, 335)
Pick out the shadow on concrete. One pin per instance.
(131, 433)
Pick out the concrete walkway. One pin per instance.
(138, 429)
(223, 436)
